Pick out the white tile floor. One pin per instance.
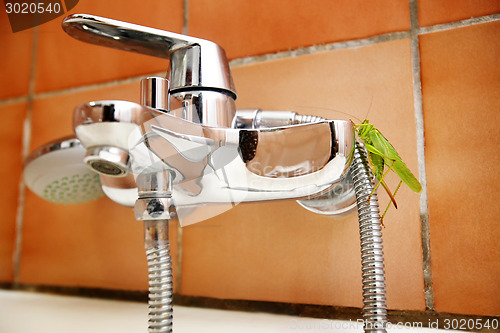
(23, 312)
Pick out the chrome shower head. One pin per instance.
(56, 172)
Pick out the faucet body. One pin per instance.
(216, 165)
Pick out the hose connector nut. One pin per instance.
(154, 209)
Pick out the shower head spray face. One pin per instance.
(57, 173)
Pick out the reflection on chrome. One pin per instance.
(216, 164)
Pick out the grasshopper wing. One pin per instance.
(392, 158)
(406, 176)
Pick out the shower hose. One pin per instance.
(372, 253)
(160, 277)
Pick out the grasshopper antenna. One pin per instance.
(330, 109)
(369, 107)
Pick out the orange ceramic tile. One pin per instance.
(53, 116)
(64, 62)
(280, 252)
(245, 28)
(461, 87)
(15, 59)
(263, 252)
(97, 244)
(11, 128)
(432, 12)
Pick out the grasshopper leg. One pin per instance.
(389, 205)
(384, 185)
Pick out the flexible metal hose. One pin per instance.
(306, 119)
(372, 253)
(370, 229)
(160, 278)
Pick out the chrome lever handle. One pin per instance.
(195, 64)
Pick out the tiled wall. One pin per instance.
(426, 73)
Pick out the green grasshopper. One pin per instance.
(381, 153)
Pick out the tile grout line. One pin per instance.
(96, 86)
(459, 24)
(185, 17)
(13, 100)
(26, 140)
(419, 122)
(349, 44)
